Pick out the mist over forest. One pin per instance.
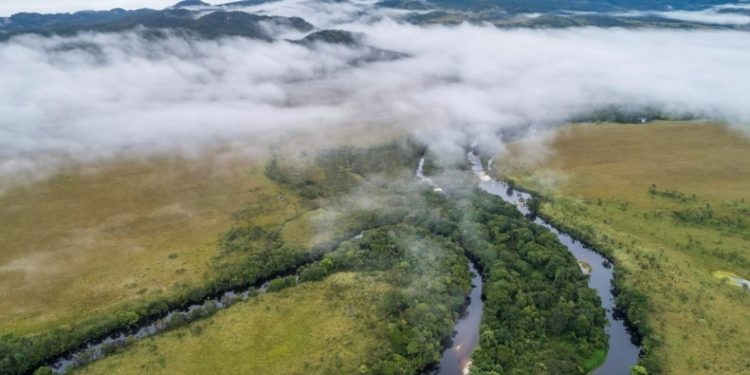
(439, 187)
(133, 90)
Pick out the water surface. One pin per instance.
(457, 359)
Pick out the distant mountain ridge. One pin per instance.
(547, 6)
(189, 3)
(222, 22)
(692, 14)
(213, 21)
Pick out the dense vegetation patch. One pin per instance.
(540, 315)
(408, 288)
(336, 171)
(429, 279)
(668, 203)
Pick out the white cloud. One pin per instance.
(327, 14)
(723, 14)
(460, 84)
(741, 6)
(707, 16)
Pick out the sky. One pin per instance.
(9, 7)
(98, 96)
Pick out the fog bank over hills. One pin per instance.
(64, 15)
(88, 96)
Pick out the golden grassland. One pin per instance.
(597, 178)
(84, 241)
(326, 327)
(93, 237)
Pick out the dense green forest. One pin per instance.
(540, 315)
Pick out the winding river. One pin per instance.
(456, 359)
(623, 353)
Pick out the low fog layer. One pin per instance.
(726, 14)
(96, 96)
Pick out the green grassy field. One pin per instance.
(96, 236)
(100, 245)
(325, 327)
(378, 304)
(670, 203)
(82, 242)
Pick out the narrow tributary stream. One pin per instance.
(98, 348)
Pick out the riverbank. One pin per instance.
(664, 201)
(357, 310)
(114, 245)
(622, 350)
(456, 358)
(272, 331)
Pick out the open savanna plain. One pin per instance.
(327, 327)
(346, 314)
(104, 245)
(669, 202)
(84, 242)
